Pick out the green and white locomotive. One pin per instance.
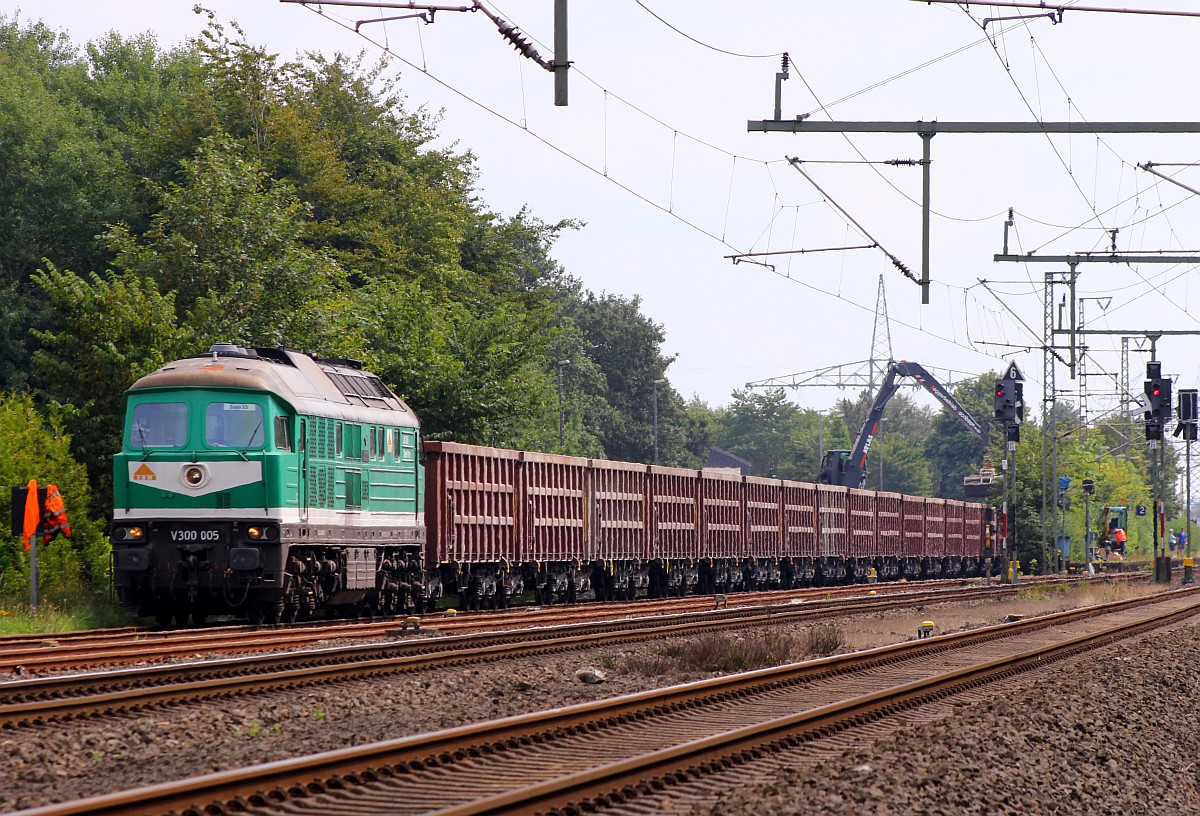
(270, 484)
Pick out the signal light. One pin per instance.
(1006, 405)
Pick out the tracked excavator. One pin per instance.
(848, 468)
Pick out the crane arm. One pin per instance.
(854, 471)
(931, 385)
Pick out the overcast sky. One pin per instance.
(653, 154)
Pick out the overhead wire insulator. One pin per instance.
(515, 36)
(896, 262)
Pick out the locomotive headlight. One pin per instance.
(195, 476)
(128, 534)
(264, 532)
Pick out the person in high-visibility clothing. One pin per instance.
(1120, 536)
(54, 516)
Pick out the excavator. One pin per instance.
(848, 468)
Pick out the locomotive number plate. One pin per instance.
(196, 535)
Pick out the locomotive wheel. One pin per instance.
(289, 607)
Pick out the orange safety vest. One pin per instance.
(55, 515)
(30, 523)
(1120, 536)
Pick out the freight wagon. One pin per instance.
(274, 485)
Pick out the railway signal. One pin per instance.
(1158, 400)
(1187, 414)
(1005, 408)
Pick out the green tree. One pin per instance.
(63, 179)
(701, 425)
(228, 242)
(472, 377)
(626, 347)
(952, 450)
(32, 447)
(765, 428)
(898, 464)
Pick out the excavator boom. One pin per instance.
(849, 468)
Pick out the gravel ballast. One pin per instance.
(58, 763)
(1113, 733)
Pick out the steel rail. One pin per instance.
(76, 650)
(273, 783)
(81, 649)
(588, 790)
(65, 697)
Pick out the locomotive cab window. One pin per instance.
(159, 425)
(283, 434)
(233, 425)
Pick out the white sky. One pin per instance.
(654, 155)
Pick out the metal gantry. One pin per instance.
(927, 130)
(1074, 332)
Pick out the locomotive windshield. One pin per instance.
(233, 425)
(159, 425)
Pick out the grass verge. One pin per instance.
(98, 612)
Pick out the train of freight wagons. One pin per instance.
(276, 485)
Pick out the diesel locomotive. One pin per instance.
(274, 485)
(266, 483)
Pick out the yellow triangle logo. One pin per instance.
(144, 474)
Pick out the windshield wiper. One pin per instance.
(141, 429)
(250, 441)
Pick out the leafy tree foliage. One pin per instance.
(625, 346)
(951, 449)
(154, 202)
(112, 330)
(32, 447)
(764, 428)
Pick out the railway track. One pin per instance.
(587, 757)
(32, 654)
(58, 698)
